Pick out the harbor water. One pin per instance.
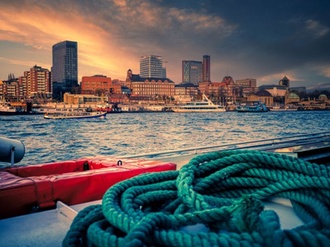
(136, 133)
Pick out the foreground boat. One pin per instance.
(178, 208)
(253, 106)
(74, 115)
(34, 188)
(200, 106)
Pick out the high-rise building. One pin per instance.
(191, 72)
(206, 68)
(151, 66)
(37, 82)
(65, 67)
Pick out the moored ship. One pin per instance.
(7, 109)
(252, 106)
(206, 105)
(74, 114)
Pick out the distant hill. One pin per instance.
(319, 87)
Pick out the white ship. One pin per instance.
(206, 105)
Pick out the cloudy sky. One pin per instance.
(266, 40)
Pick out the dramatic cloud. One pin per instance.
(263, 40)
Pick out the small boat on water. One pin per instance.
(206, 105)
(7, 109)
(74, 115)
(252, 106)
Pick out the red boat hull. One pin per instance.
(26, 189)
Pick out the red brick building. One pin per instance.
(98, 84)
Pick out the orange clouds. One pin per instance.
(40, 27)
(111, 37)
(113, 34)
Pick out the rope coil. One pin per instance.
(214, 200)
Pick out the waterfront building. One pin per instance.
(37, 83)
(204, 87)
(97, 84)
(275, 90)
(150, 86)
(206, 68)
(151, 66)
(209, 88)
(11, 90)
(83, 99)
(292, 98)
(263, 96)
(223, 92)
(192, 71)
(247, 85)
(313, 104)
(231, 89)
(65, 67)
(185, 92)
(23, 87)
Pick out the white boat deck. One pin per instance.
(50, 227)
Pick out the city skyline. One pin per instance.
(266, 41)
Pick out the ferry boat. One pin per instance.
(206, 105)
(136, 213)
(74, 115)
(7, 109)
(252, 106)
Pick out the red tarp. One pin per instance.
(25, 189)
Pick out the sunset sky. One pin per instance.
(266, 40)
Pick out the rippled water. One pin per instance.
(135, 133)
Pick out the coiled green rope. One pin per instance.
(214, 200)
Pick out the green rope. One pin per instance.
(214, 200)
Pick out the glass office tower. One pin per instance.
(65, 63)
(191, 71)
(152, 67)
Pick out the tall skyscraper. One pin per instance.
(65, 66)
(65, 63)
(191, 71)
(152, 66)
(206, 68)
